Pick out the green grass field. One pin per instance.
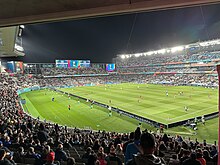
(146, 100)
(150, 101)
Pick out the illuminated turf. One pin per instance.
(151, 101)
(146, 100)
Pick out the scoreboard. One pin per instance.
(110, 67)
(72, 63)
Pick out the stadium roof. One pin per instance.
(9, 45)
(14, 12)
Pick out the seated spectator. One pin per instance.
(206, 156)
(101, 156)
(31, 154)
(19, 155)
(174, 160)
(200, 158)
(147, 145)
(50, 159)
(3, 159)
(85, 156)
(60, 154)
(92, 158)
(112, 158)
(192, 160)
(71, 161)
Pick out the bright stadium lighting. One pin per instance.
(123, 56)
(187, 46)
(137, 54)
(22, 26)
(127, 56)
(150, 53)
(168, 50)
(162, 51)
(176, 49)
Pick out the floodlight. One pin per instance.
(123, 56)
(137, 54)
(168, 50)
(177, 48)
(162, 51)
(22, 26)
(150, 53)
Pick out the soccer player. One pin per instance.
(52, 99)
(167, 93)
(186, 108)
(69, 107)
(203, 120)
(110, 113)
(110, 101)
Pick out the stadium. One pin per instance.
(158, 106)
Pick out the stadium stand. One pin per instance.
(26, 140)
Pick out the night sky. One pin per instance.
(101, 39)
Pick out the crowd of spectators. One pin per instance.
(183, 57)
(24, 138)
(71, 71)
(172, 79)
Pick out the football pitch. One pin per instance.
(157, 102)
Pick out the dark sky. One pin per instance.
(101, 39)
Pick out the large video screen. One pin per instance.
(15, 67)
(110, 67)
(72, 63)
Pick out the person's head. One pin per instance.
(112, 150)
(89, 150)
(71, 161)
(60, 146)
(174, 156)
(193, 156)
(101, 149)
(31, 150)
(147, 143)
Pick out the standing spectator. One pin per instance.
(131, 139)
(133, 148)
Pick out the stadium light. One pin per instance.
(177, 48)
(137, 54)
(22, 26)
(127, 56)
(123, 56)
(168, 50)
(162, 51)
(150, 53)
